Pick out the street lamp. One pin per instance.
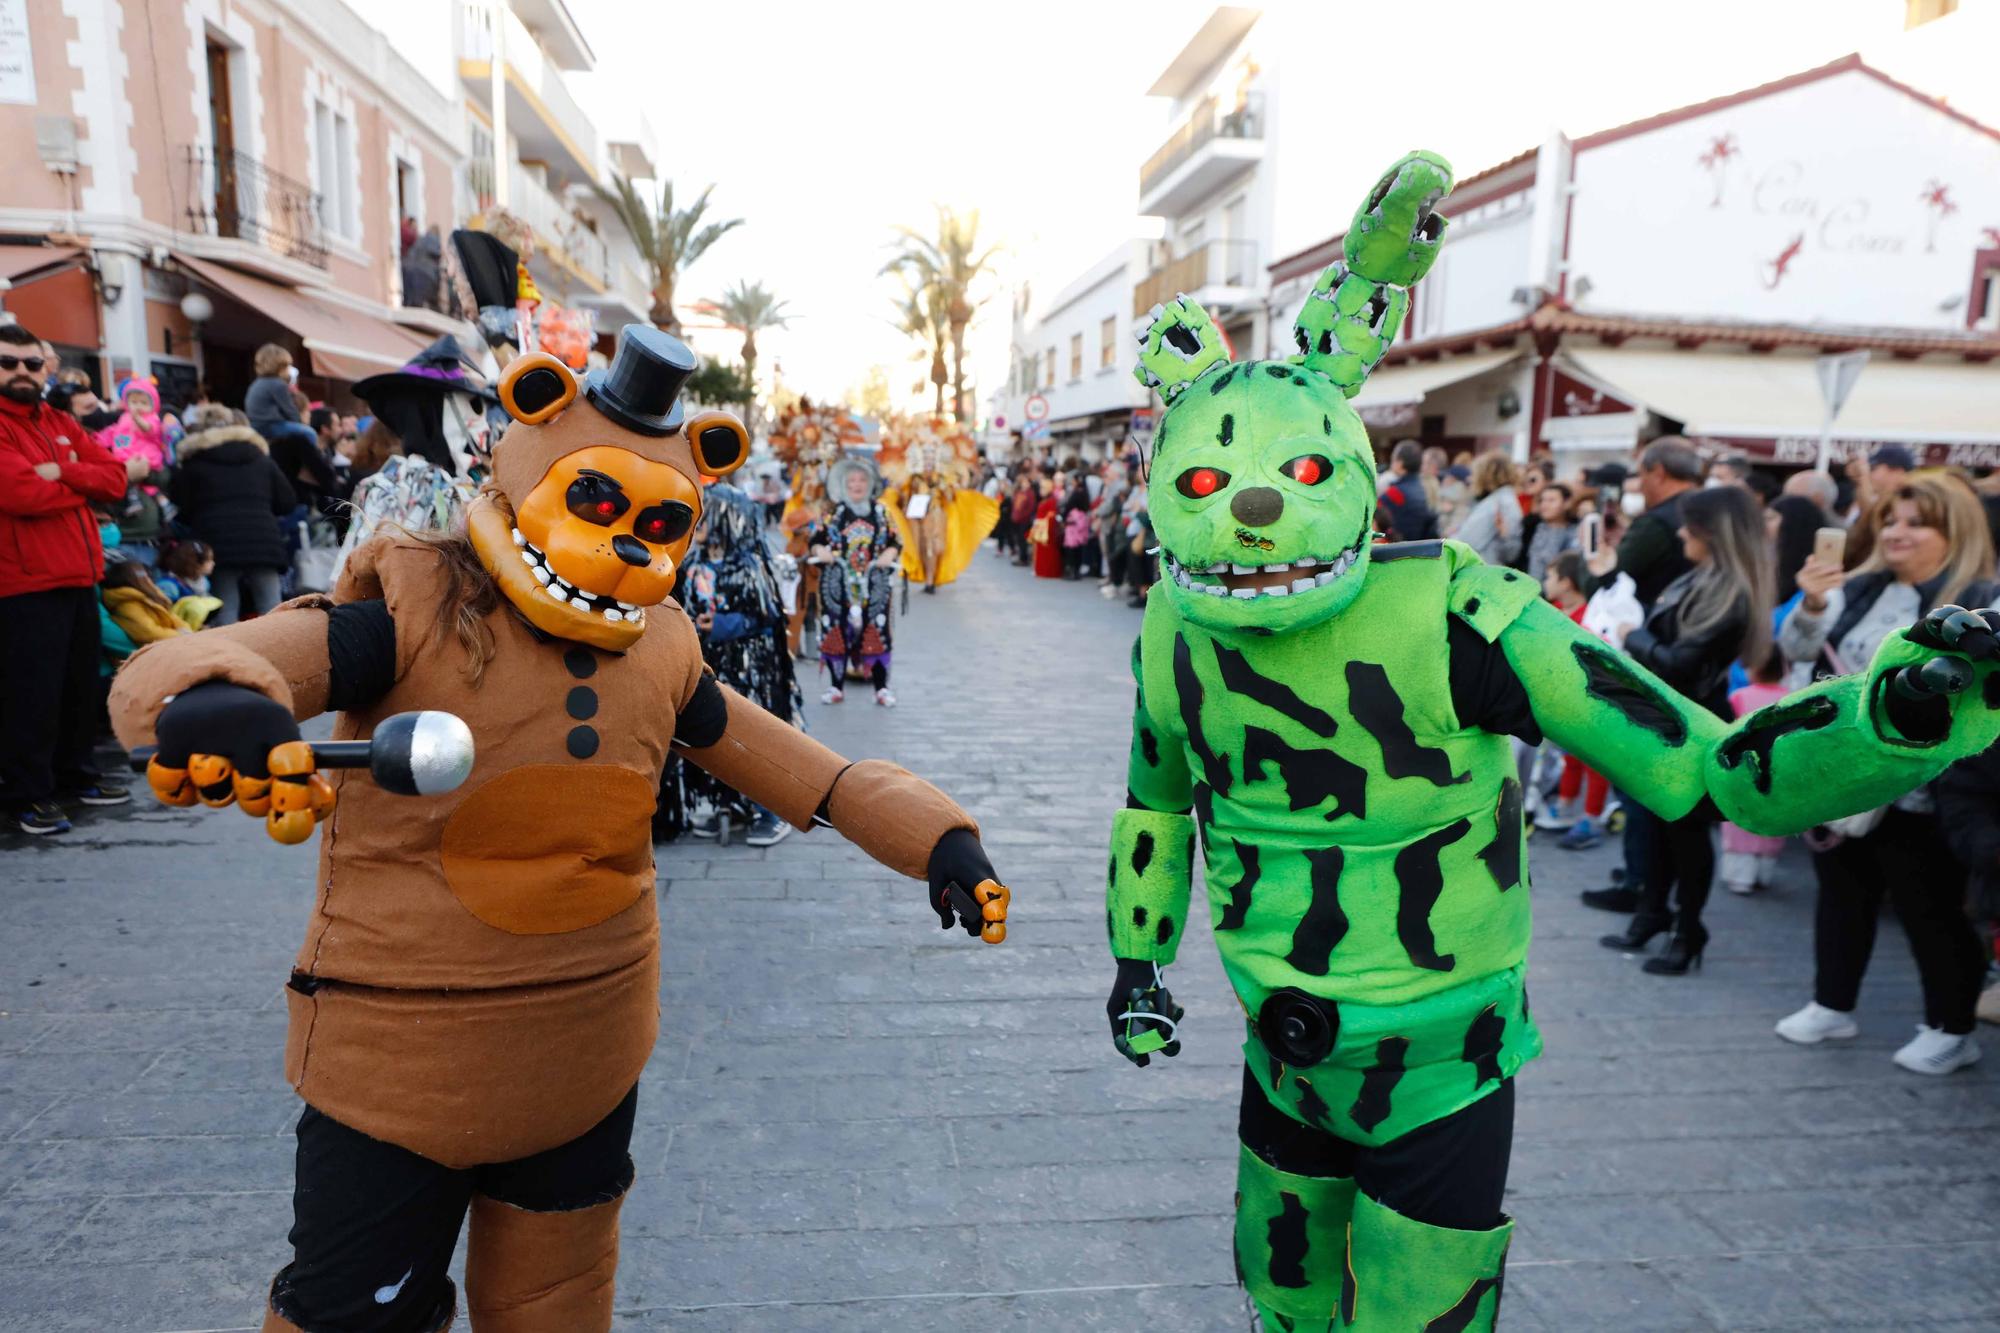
(199, 310)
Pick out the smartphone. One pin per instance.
(1590, 535)
(1830, 545)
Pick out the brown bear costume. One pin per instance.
(478, 989)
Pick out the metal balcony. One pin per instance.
(236, 196)
(1210, 146)
(1217, 272)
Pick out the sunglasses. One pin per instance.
(33, 363)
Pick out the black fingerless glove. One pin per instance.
(957, 859)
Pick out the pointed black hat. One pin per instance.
(641, 388)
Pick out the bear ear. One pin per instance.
(536, 388)
(720, 443)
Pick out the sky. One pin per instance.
(826, 126)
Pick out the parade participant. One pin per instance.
(1331, 718)
(929, 462)
(730, 589)
(857, 550)
(478, 989)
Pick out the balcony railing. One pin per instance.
(1244, 119)
(1216, 263)
(232, 195)
(537, 71)
(555, 227)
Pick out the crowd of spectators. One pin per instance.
(123, 522)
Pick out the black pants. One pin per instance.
(1906, 856)
(1449, 1173)
(374, 1225)
(49, 649)
(1680, 864)
(1641, 831)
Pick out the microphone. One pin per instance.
(411, 754)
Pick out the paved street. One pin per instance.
(856, 1122)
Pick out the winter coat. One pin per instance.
(1406, 505)
(143, 619)
(48, 536)
(1968, 806)
(269, 403)
(1697, 666)
(152, 441)
(1493, 528)
(230, 492)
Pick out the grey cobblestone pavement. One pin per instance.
(856, 1122)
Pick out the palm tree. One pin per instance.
(923, 312)
(749, 308)
(949, 264)
(669, 239)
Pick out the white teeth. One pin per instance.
(529, 560)
(610, 614)
(1213, 589)
(1243, 569)
(1277, 569)
(1328, 577)
(1305, 562)
(542, 576)
(1277, 590)
(1245, 593)
(519, 540)
(559, 596)
(1303, 585)
(627, 606)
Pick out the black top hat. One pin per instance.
(641, 389)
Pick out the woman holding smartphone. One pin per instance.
(1717, 612)
(1932, 548)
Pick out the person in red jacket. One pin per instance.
(50, 561)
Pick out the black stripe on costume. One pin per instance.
(1459, 1317)
(1482, 1045)
(705, 717)
(1287, 1234)
(1239, 893)
(1187, 685)
(1503, 855)
(1324, 923)
(1242, 678)
(1379, 709)
(1378, 1081)
(1419, 882)
(1310, 777)
(1610, 678)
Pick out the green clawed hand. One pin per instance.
(1178, 344)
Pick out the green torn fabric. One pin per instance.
(1291, 1236)
(1146, 901)
(1405, 1277)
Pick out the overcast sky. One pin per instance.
(826, 125)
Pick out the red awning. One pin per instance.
(346, 344)
(20, 264)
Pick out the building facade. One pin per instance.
(259, 153)
(1070, 392)
(1684, 273)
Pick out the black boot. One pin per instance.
(1612, 899)
(1683, 951)
(1639, 933)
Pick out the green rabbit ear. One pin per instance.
(1356, 308)
(1178, 345)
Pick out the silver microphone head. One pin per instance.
(421, 754)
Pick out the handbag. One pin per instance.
(1038, 532)
(317, 558)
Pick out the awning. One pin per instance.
(1391, 394)
(345, 344)
(20, 264)
(1769, 404)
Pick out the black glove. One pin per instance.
(1141, 1006)
(228, 721)
(964, 890)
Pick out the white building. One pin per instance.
(1682, 274)
(1241, 178)
(1070, 389)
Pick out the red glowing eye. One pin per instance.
(607, 508)
(1307, 470)
(1201, 482)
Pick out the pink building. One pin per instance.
(252, 164)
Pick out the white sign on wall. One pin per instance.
(17, 57)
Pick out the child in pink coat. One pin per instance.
(1750, 860)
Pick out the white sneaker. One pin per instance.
(1550, 819)
(1816, 1023)
(833, 696)
(1935, 1051)
(1735, 886)
(885, 699)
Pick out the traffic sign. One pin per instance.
(1037, 408)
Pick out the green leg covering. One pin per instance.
(1290, 1234)
(1406, 1276)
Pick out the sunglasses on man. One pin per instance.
(32, 363)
